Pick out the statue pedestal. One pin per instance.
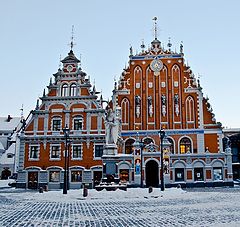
(137, 180)
(110, 149)
(110, 160)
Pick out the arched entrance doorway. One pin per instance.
(5, 174)
(152, 174)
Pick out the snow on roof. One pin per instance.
(4, 160)
(9, 123)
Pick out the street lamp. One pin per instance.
(162, 135)
(66, 132)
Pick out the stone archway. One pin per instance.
(152, 174)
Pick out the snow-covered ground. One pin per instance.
(134, 207)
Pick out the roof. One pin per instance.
(71, 58)
(9, 123)
(4, 160)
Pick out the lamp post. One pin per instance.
(66, 131)
(162, 135)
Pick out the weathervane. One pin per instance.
(72, 37)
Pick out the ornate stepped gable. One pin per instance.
(70, 101)
(158, 89)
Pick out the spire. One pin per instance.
(72, 37)
(50, 82)
(37, 105)
(155, 28)
(181, 47)
(44, 94)
(142, 46)
(60, 58)
(169, 44)
(131, 51)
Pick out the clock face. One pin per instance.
(69, 68)
(156, 65)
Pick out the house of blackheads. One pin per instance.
(73, 127)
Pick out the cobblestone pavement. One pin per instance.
(191, 208)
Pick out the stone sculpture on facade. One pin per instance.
(138, 105)
(150, 106)
(163, 100)
(176, 104)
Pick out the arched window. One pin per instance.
(64, 90)
(129, 146)
(147, 141)
(125, 111)
(171, 147)
(73, 90)
(78, 123)
(185, 145)
(189, 109)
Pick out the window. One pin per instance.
(217, 173)
(33, 152)
(98, 152)
(55, 152)
(171, 147)
(185, 145)
(78, 123)
(124, 175)
(147, 141)
(9, 155)
(76, 176)
(54, 176)
(179, 174)
(56, 124)
(76, 151)
(64, 90)
(73, 90)
(129, 146)
(198, 174)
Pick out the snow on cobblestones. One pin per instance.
(135, 207)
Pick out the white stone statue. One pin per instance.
(111, 128)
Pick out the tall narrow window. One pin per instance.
(125, 111)
(129, 146)
(76, 152)
(56, 124)
(98, 150)
(34, 152)
(171, 147)
(64, 90)
(78, 123)
(185, 145)
(73, 90)
(190, 109)
(55, 152)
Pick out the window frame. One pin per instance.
(184, 146)
(58, 178)
(64, 90)
(179, 171)
(80, 119)
(73, 89)
(51, 150)
(215, 175)
(30, 152)
(94, 153)
(72, 152)
(57, 129)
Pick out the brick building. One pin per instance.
(70, 101)
(158, 90)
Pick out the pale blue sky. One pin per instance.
(35, 33)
